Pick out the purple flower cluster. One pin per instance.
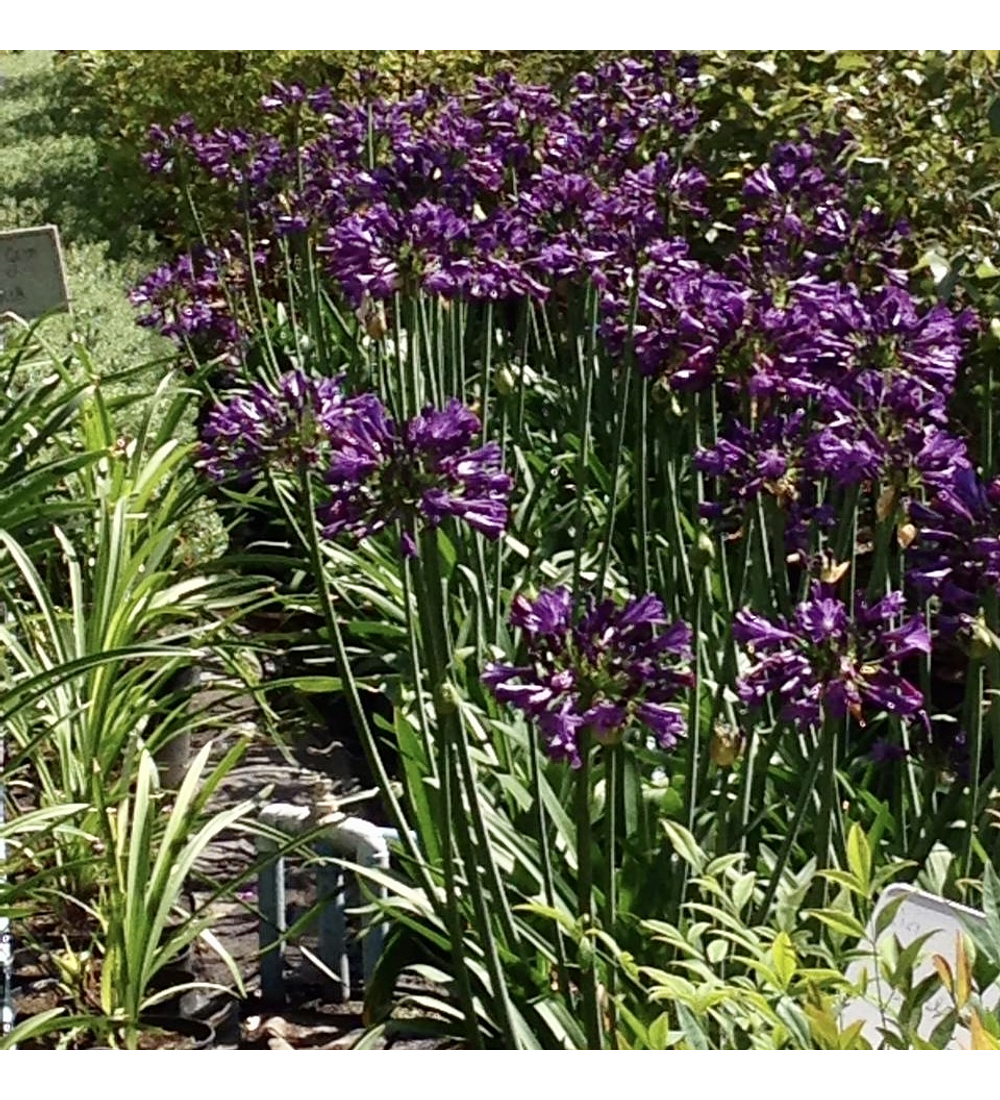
(687, 316)
(801, 218)
(271, 428)
(500, 193)
(606, 670)
(851, 389)
(428, 468)
(956, 556)
(198, 299)
(375, 472)
(828, 662)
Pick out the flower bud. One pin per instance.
(447, 698)
(725, 746)
(505, 381)
(703, 552)
(981, 639)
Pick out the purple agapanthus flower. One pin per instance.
(826, 662)
(425, 470)
(956, 555)
(270, 427)
(688, 315)
(771, 459)
(801, 217)
(602, 667)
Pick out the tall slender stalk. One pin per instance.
(585, 898)
(829, 808)
(640, 475)
(974, 724)
(587, 369)
(358, 715)
(474, 847)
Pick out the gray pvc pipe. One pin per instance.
(351, 837)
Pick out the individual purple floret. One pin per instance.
(606, 669)
(273, 428)
(427, 470)
(826, 663)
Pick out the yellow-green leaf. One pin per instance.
(859, 855)
(842, 923)
(785, 960)
(981, 1038)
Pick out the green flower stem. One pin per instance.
(761, 573)
(614, 786)
(548, 880)
(587, 369)
(829, 808)
(486, 382)
(752, 790)
(454, 750)
(683, 583)
(450, 797)
(696, 763)
(641, 484)
(612, 505)
(425, 336)
(614, 782)
(845, 539)
(358, 716)
(431, 841)
(528, 326)
(884, 532)
(439, 750)
(991, 687)
(974, 724)
(774, 518)
(585, 899)
(805, 796)
(439, 652)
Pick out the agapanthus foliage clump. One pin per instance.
(599, 667)
(829, 660)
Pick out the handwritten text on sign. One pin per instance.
(32, 277)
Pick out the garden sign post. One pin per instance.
(32, 283)
(32, 273)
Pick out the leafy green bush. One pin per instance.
(53, 176)
(115, 96)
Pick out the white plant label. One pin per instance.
(919, 914)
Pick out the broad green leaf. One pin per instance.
(842, 923)
(859, 856)
(685, 845)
